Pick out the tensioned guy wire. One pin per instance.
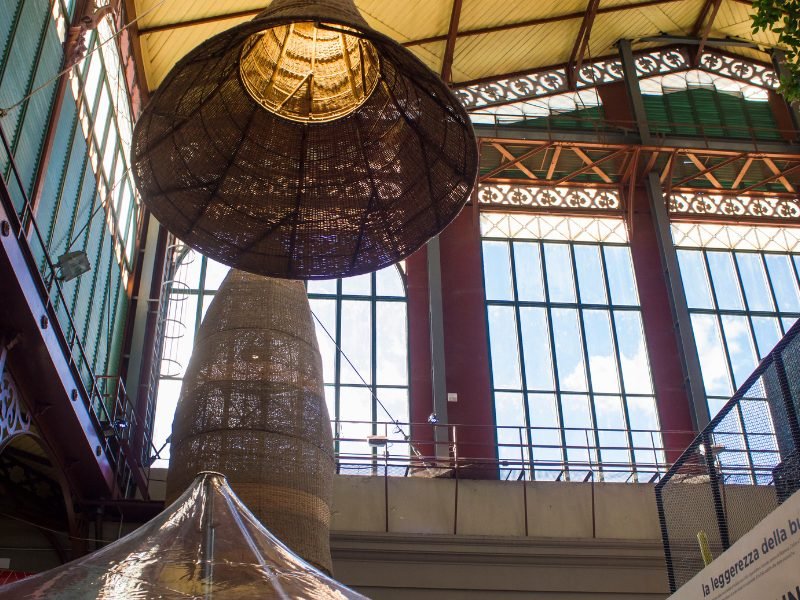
(381, 404)
(5, 110)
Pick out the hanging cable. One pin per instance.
(396, 423)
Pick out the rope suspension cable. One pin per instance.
(396, 423)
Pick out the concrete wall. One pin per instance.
(440, 538)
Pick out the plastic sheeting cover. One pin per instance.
(207, 544)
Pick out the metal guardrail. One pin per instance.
(739, 469)
(409, 449)
(103, 396)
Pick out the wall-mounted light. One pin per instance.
(73, 264)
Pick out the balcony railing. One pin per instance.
(104, 397)
(409, 449)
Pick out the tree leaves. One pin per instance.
(782, 17)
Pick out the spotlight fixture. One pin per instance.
(433, 419)
(73, 265)
(377, 441)
(304, 144)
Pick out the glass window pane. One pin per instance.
(613, 437)
(740, 347)
(360, 285)
(569, 350)
(726, 283)
(545, 436)
(768, 334)
(356, 343)
(321, 286)
(503, 346)
(511, 437)
(620, 275)
(591, 283)
(389, 282)
(215, 274)
(536, 348)
(497, 271)
(787, 323)
(330, 404)
(712, 356)
(528, 265)
(754, 280)
(355, 414)
(325, 311)
(559, 273)
(579, 433)
(600, 347)
(633, 352)
(695, 281)
(390, 337)
(645, 434)
(784, 282)
(169, 391)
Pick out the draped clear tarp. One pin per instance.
(207, 544)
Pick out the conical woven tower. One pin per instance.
(252, 407)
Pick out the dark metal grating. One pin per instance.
(739, 469)
(303, 200)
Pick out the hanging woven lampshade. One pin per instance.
(252, 406)
(304, 144)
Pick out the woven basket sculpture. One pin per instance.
(252, 407)
(304, 144)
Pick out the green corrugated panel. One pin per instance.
(657, 115)
(76, 201)
(36, 113)
(762, 120)
(21, 61)
(8, 21)
(680, 113)
(83, 211)
(89, 241)
(708, 113)
(59, 190)
(734, 116)
(84, 302)
(97, 327)
(587, 119)
(119, 313)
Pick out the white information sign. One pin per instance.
(763, 565)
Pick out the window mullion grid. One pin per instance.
(337, 375)
(796, 272)
(554, 358)
(587, 365)
(615, 341)
(521, 354)
(724, 337)
(374, 366)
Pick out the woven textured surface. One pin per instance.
(252, 407)
(274, 195)
(205, 545)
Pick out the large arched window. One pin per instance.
(570, 371)
(362, 332)
(742, 288)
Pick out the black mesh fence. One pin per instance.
(738, 470)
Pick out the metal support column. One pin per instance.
(438, 378)
(693, 377)
(634, 93)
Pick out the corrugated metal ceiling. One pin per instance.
(481, 56)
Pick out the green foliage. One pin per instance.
(783, 18)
